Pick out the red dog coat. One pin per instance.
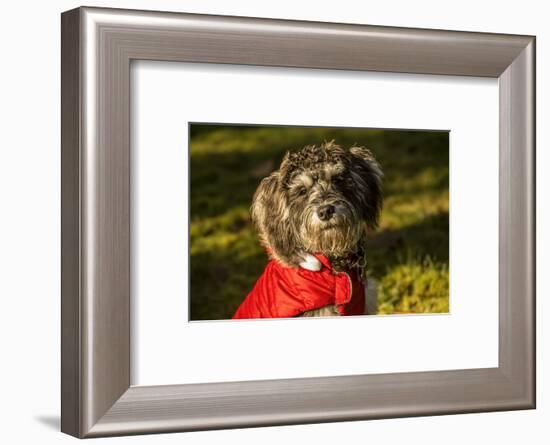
(282, 292)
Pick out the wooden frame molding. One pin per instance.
(97, 48)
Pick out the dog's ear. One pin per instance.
(368, 175)
(270, 216)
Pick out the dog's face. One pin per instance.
(321, 200)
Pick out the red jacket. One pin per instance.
(283, 292)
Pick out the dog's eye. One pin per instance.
(342, 180)
(301, 191)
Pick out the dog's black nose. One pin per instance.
(325, 212)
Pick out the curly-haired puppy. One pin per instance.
(312, 216)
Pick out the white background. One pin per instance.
(166, 96)
(29, 227)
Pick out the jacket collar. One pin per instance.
(324, 260)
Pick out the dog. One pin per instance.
(312, 216)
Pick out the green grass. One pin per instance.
(415, 287)
(408, 254)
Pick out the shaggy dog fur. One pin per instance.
(323, 199)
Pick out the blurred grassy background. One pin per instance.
(408, 254)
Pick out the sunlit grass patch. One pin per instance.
(230, 232)
(415, 287)
(401, 211)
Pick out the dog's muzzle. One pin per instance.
(331, 213)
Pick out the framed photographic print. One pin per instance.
(270, 222)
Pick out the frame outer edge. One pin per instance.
(529, 120)
(71, 382)
(105, 187)
(533, 166)
(517, 347)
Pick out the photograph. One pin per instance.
(295, 221)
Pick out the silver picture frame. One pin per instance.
(97, 46)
